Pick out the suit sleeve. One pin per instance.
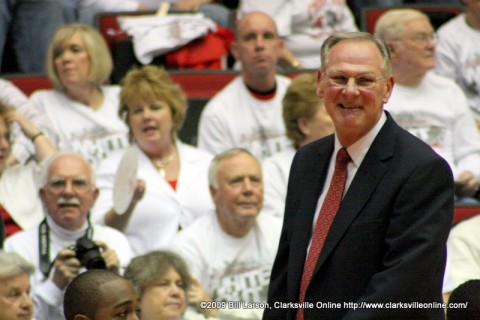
(418, 227)
(278, 288)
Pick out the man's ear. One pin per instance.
(80, 317)
(234, 50)
(320, 89)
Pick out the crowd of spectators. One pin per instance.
(201, 223)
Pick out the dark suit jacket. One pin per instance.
(387, 242)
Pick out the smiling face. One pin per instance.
(239, 196)
(354, 109)
(72, 61)
(118, 301)
(15, 302)
(165, 299)
(69, 194)
(151, 123)
(257, 44)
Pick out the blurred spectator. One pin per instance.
(20, 205)
(162, 281)
(68, 192)
(226, 251)
(430, 106)
(458, 52)
(247, 113)
(15, 301)
(81, 110)
(463, 262)
(100, 295)
(306, 120)
(169, 172)
(303, 25)
(29, 25)
(465, 301)
(23, 150)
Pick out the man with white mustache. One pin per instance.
(68, 192)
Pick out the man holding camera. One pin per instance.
(65, 243)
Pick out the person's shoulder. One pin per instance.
(20, 239)
(283, 80)
(467, 228)
(193, 153)
(223, 98)
(108, 234)
(450, 28)
(280, 159)
(440, 81)
(315, 147)
(412, 147)
(273, 223)
(199, 227)
(43, 94)
(111, 90)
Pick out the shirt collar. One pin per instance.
(359, 149)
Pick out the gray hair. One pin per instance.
(338, 37)
(145, 269)
(12, 264)
(42, 176)
(391, 24)
(227, 154)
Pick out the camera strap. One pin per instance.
(44, 245)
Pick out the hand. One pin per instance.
(28, 128)
(110, 257)
(139, 191)
(467, 185)
(197, 294)
(67, 267)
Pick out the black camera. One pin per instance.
(88, 253)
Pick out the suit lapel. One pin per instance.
(316, 173)
(370, 173)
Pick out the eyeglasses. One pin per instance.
(78, 184)
(423, 38)
(363, 82)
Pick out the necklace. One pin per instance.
(161, 164)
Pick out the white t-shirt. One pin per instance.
(47, 297)
(304, 24)
(276, 170)
(235, 118)
(93, 133)
(436, 111)
(463, 254)
(458, 57)
(230, 268)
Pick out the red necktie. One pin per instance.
(324, 221)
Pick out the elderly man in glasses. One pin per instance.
(431, 107)
(65, 243)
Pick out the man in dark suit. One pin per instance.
(386, 241)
